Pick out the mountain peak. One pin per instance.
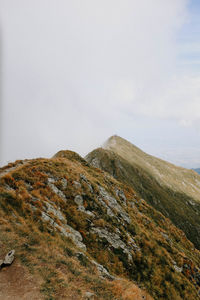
(171, 189)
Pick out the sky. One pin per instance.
(73, 73)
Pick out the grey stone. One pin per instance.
(52, 179)
(84, 178)
(77, 184)
(8, 188)
(78, 200)
(55, 189)
(177, 269)
(57, 213)
(103, 270)
(75, 235)
(9, 257)
(115, 241)
(64, 183)
(87, 212)
(47, 218)
(121, 195)
(89, 295)
(165, 235)
(112, 205)
(95, 163)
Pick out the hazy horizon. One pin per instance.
(74, 73)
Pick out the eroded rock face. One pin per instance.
(121, 195)
(112, 205)
(64, 183)
(54, 188)
(66, 230)
(103, 270)
(116, 242)
(79, 201)
(57, 212)
(75, 235)
(84, 178)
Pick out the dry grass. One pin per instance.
(52, 258)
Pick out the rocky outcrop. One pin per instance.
(114, 209)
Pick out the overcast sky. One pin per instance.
(74, 72)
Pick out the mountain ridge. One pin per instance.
(82, 232)
(138, 169)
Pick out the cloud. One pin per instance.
(178, 99)
(74, 71)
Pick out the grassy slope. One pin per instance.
(181, 208)
(56, 260)
(176, 178)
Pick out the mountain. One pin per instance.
(172, 190)
(197, 170)
(78, 233)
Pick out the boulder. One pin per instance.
(8, 259)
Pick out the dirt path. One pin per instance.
(17, 284)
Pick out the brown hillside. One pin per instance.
(130, 167)
(77, 230)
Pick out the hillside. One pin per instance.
(166, 187)
(79, 233)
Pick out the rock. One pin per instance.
(102, 270)
(46, 218)
(99, 267)
(57, 213)
(55, 189)
(77, 184)
(177, 269)
(8, 259)
(121, 196)
(84, 178)
(95, 163)
(64, 183)
(89, 295)
(116, 242)
(73, 234)
(78, 200)
(165, 236)
(112, 205)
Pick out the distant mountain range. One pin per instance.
(197, 170)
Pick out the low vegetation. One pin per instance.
(181, 208)
(78, 231)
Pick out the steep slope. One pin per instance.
(152, 179)
(176, 178)
(82, 234)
